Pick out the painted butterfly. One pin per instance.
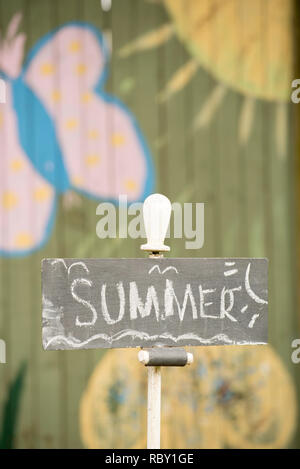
(60, 130)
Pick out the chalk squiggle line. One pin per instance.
(57, 261)
(71, 341)
(80, 263)
(171, 267)
(249, 290)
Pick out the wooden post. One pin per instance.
(154, 358)
(153, 408)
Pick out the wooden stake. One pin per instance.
(154, 406)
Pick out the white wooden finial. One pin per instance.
(157, 213)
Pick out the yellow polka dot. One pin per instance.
(9, 200)
(23, 240)
(17, 165)
(74, 46)
(93, 134)
(41, 194)
(56, 96)
(92, 160)
(47, 69)
(71, 124)
(117, 139)
(81, 69)
(130, 185)
(86, 97)
(77, 181)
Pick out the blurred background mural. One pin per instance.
(187, 98)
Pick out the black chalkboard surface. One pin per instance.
(103, 303)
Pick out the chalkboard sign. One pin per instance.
(103, 303)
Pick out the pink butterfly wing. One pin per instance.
(104, 154)
(27, 201)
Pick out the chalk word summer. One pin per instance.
(123, 221)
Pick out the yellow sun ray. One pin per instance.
(203, 118)
(246, 120)
(149, 40)
(179, 80)
(281, 129)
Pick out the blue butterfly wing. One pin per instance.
(27, 200)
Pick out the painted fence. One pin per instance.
(209, 135)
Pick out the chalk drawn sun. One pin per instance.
(246, 45)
